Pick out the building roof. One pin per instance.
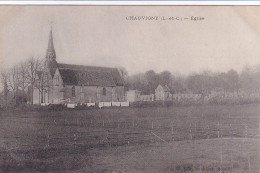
(165, 88)
(89, 75)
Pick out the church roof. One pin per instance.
(89, 75)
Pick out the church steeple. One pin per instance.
(51, 54)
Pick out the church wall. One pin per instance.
(91, 94)
(108, 94)
(57, 95)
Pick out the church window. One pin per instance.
(104, 91)
(73, 91)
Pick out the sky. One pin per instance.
(228, 37)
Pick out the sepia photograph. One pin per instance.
(129, 89)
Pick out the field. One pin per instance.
(165, 139)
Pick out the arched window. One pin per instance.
(73, 91)
(104, 91)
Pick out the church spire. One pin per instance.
(51, 54)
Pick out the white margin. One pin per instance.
(129, 2)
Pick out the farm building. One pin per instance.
(162, 93)
(68, 83)
(133, 95)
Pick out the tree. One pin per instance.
(4, 81)
(13, 81)
(34, 65)
(124, 74)
(151, 81)
(165, 78)
(22, 77)
(233, 81)
(178, 84)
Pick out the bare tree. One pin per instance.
(13, 81)
(22, 77)
(4, 81)
(34, 65)
(44, 82)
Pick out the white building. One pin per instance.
(133, 95)
(163, 93)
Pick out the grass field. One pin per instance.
(173, 139)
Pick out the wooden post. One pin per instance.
(103, 123)
(249, 164)
(258, 155)
(48, 140)
(218, 129)
(118, 124)
(221, 154)
(246, 131)
(75, 138)
(172, 127)
(190, 132)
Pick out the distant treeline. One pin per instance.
(17, 80)
(248, 81)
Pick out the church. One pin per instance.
(60, 83)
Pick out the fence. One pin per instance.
(105, 132)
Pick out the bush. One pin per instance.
(56, 107)
(141, 104)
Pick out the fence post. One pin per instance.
(48, 140)
(249, 164)
(218, 129)
(208, 131)
(245, 131)
(190, 132)
(172, 127)
(118, 124)
(75, 138)
(221, 154)
(103, 123)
